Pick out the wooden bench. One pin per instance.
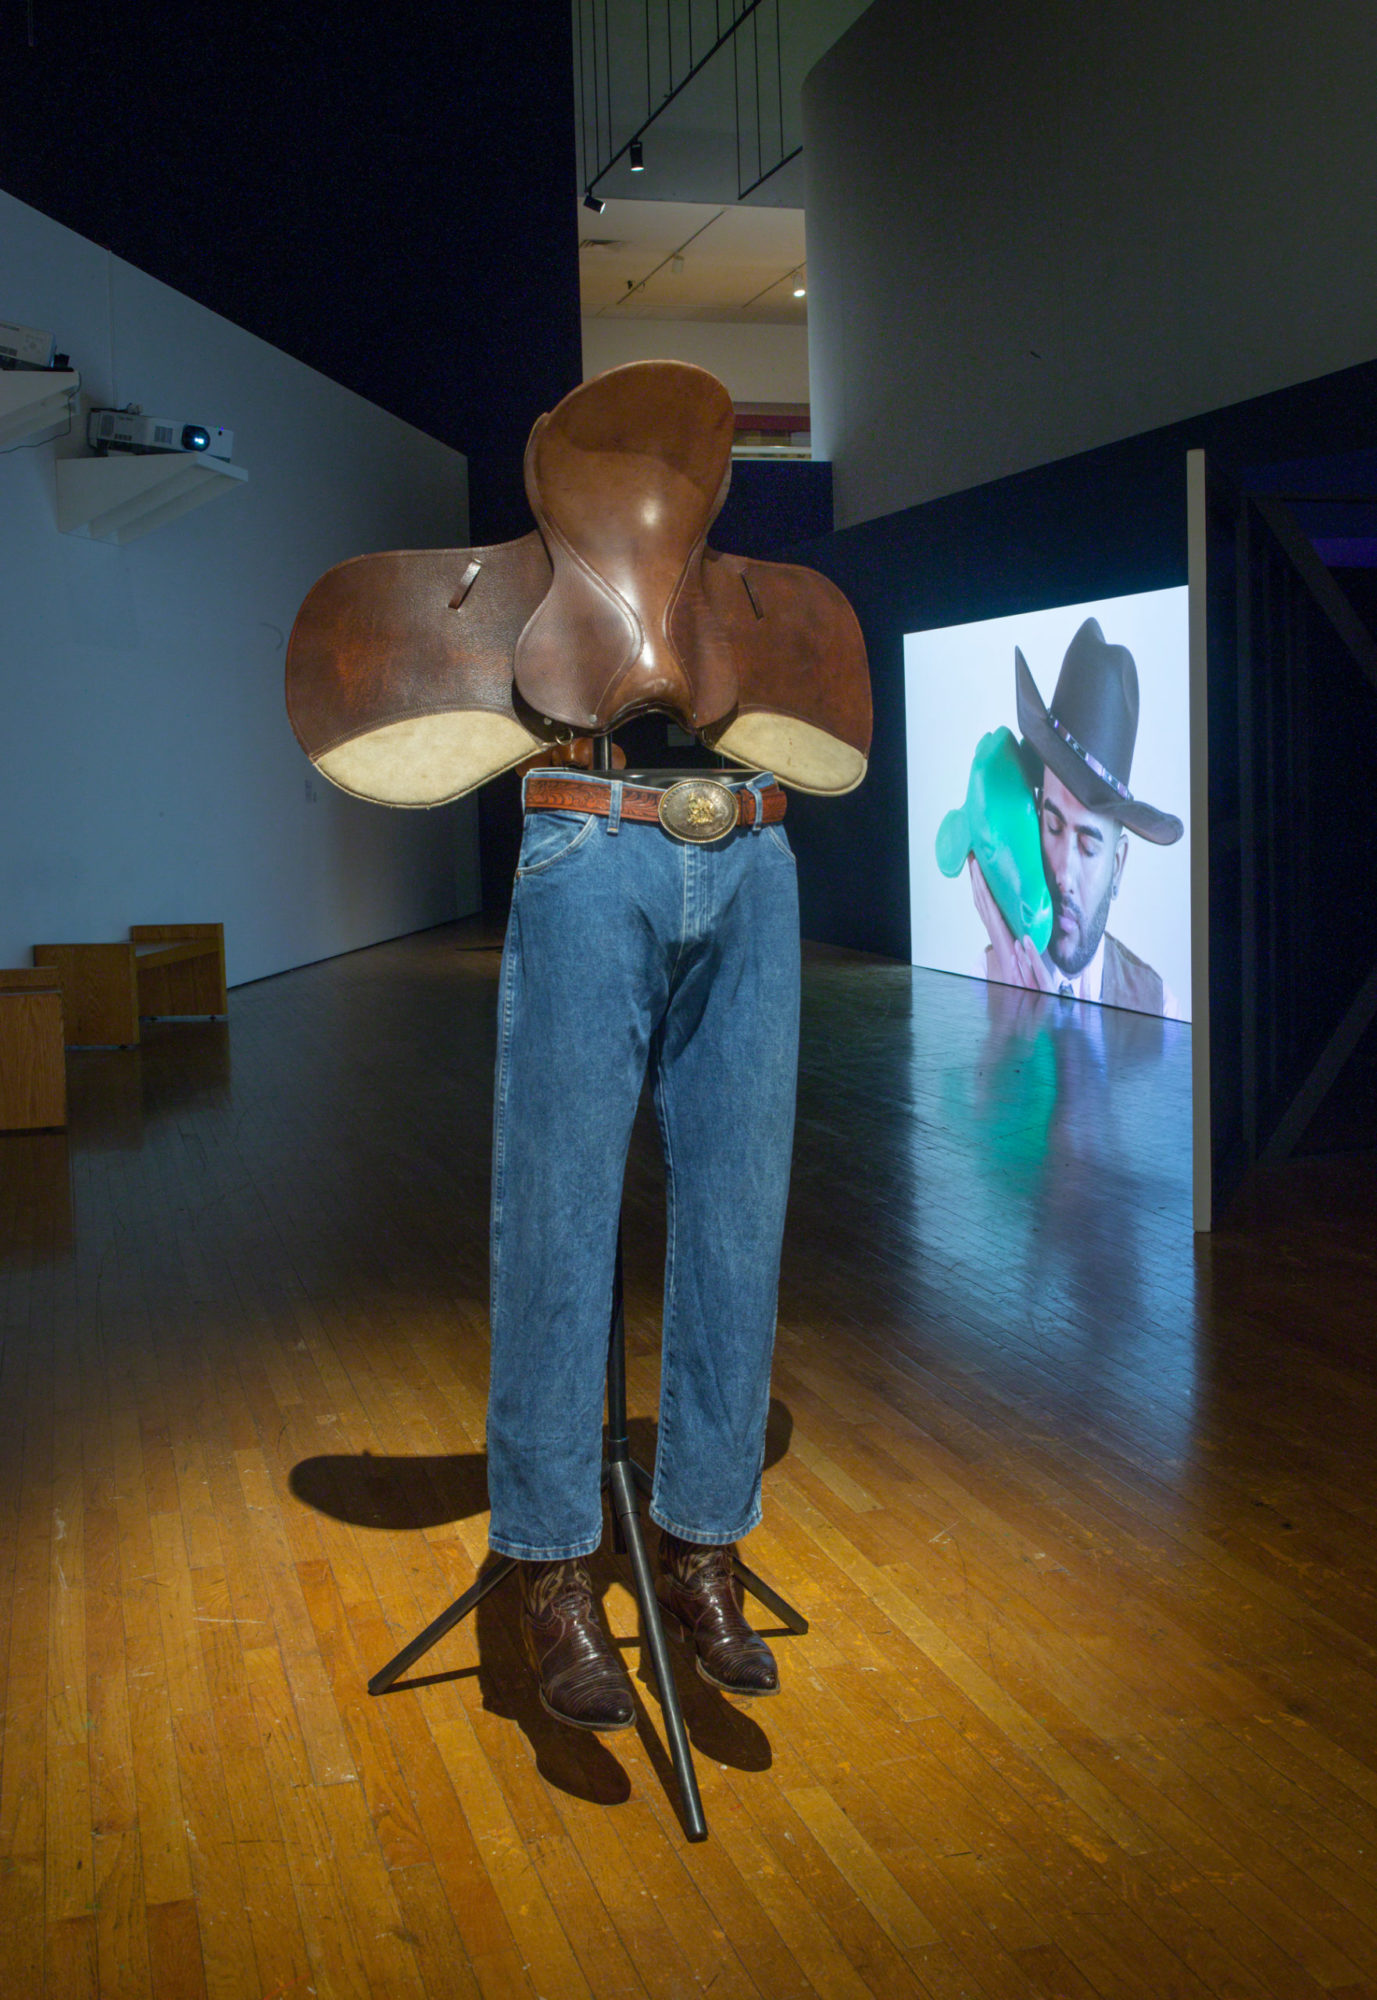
(33, 1067)
(163, 969)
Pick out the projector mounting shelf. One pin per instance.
(125, 495)
(32, 401)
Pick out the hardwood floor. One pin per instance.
(1082, 1514)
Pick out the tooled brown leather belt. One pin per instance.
(695, 809)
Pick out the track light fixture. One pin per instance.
(593, 202)
(637, 157)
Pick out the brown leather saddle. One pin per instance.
(416, 675)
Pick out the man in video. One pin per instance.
(1085, 812)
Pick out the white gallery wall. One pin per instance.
(1037, 226)
(757, 363)
(147, 770)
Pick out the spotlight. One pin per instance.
(800, 291)
(590, 200)
(637, 157)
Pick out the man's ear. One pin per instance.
(1120, 856)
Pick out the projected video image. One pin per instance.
(1048, 773)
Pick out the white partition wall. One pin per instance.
(1035, 226)
(147, 770)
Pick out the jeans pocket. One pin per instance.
(547, 837)
(780, 840)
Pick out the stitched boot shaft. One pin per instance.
(581, 1678)
(698, 1589)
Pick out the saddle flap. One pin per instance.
(399, 669)
(625, 477)
(803, 708)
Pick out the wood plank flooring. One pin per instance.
(1082, 1514)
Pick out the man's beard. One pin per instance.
(1089, 935)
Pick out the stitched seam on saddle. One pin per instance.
(668, 620)
(608, 591)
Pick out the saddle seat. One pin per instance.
(625, 480)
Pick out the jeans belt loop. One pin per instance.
(524, 782)
(754, 788)
(614, 810)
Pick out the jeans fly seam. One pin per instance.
(683, 921)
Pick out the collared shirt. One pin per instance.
(1088, 983)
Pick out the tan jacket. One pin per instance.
(1127, 981)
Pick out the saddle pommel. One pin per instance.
(625, 478)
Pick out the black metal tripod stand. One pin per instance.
(621, 1477)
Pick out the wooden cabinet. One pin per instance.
(33, 1071)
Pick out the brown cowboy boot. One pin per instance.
(702, 1601)
(581, 1677)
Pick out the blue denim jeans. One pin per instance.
(630, 951)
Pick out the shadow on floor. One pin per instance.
(394, 1492)
(372, 1490)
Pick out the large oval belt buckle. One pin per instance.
(698, 809)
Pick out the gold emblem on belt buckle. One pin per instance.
(698, 809)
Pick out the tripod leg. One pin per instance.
(624, 1511)
(757, 1586)
(437, 1629)
(771, 1599)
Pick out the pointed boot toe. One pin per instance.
(701, 1598)
(579, 1673)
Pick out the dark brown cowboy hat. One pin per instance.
(1087, 735)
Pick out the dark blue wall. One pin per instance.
(771, 502)
(1099, 524)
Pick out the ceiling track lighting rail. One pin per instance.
(752, 30)
(675, 258)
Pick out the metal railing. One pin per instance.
(634, 58)
(1293, 898)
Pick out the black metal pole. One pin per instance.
(629, 1538)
